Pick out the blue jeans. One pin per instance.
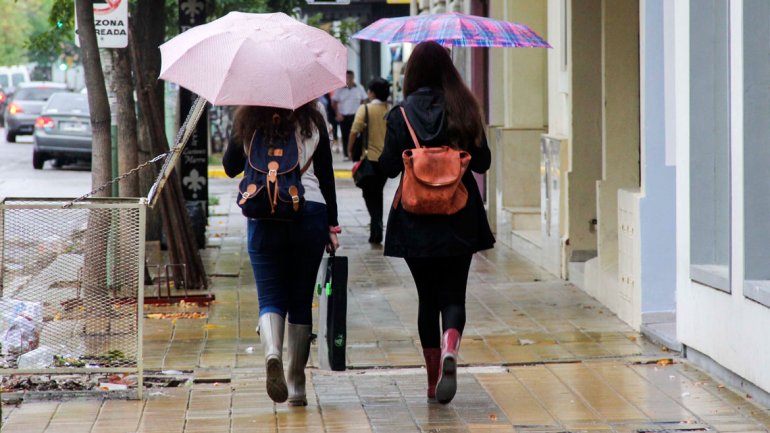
(285, 257)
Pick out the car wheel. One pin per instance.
(38, 159)
(10, 137)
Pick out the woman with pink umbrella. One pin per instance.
(274, 68)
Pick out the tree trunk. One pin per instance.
(150, 26)
(94, 282)
(182, 248)
(101, 162)
(127, 140)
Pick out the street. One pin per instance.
(19, 179)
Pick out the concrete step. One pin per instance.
(524, 217)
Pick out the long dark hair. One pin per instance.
(275, 123)
(430, 66)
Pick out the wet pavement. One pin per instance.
(538, 355)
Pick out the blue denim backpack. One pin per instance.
(272, 179)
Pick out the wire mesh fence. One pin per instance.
(71, 293)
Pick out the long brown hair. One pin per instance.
(430, 66)
(275, 122)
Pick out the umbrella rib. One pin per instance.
(224, 79)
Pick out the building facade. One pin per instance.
(629, 160)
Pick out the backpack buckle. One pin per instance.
(245, 195)
(294, 193)
(272, 172)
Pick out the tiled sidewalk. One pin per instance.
(542, 357)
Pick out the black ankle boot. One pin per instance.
(375, 235)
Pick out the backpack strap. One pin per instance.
(309, 161)
(366, 128)
(397, 197)
(247, 145)
(411, 131)
(306, 167)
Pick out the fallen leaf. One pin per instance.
(211, 326)
(180, 315)
(493, 417)
(720, 386)
(632, 337)
(665, 361)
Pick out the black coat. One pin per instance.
(411, 235)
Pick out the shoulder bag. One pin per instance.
(363, 170)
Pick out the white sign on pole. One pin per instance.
(111, 22)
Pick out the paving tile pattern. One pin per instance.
(539, 355)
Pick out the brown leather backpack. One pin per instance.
(432, 181)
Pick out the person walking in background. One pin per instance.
(330, 115)
(345, 102)
(438, 248)
(285, 255)
(378, 91)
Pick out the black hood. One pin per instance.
(425, 109)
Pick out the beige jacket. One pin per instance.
(377, 112)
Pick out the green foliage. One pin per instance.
(19, 21)
(214, 9)
(343, 31)
(30, 35)
(57, 38)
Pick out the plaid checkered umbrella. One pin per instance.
(452, 29)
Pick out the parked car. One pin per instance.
(10, 78)
(3, 99)
(25, 105)
(63, 131)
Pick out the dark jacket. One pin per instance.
(410, 235)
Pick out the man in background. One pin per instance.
(345, 102)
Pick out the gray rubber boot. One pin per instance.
(298, 343)
(270, 330)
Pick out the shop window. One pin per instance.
(710, 143)
(756, 149)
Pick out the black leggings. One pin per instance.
(373, 197)
(441, 284)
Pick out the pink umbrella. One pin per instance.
(453, 29)
(255, 59)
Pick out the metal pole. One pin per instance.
(3, 210)
(114, 135)
(140, 301)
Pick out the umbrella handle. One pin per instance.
(182, 137)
